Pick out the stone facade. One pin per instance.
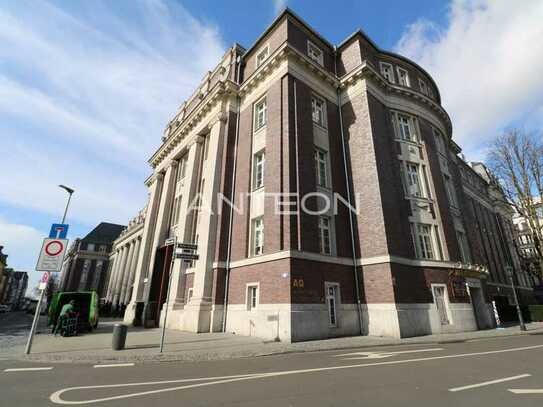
(295, 122)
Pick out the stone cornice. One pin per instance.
(180, 130)
(366, 71)
(284, 52)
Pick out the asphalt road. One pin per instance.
(386, 376)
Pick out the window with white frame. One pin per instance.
(181, 168)
(387, 72)
(423, 87)
(463, 245)
(262, 55)
(315, 53)
(414, 184)
(324, 235)
(318, 108)
(403, 77)
(423, 235)
(260, 114)
(332, 299)
(258, 170)
(252, 297)
(406, 128)
(258, 236)
(321, 167)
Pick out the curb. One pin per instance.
(210, 356)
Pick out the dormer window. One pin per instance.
(387, 72)
(315, 53)
(403, 77)
(262, 55)
(423, 87)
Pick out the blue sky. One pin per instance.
(86, 88)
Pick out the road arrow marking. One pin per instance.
(505, 379)
(381, 355)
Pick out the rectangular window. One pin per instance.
(258, 170)
(423, 87)
(440, 142)
(387, 72)
(321, 167)
(189, 294)
(414, 186)
(451, 193)
(90, 247)
(318, 111)
(463, 245)
(406, 128)
(314, 52)
(258, 236)
(324, 234)
(332, 294)
(260, 114)
(262, 55)
(403, 77)
(252, 297)
(423, 241)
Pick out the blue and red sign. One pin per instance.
(58, 231)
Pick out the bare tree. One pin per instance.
(516, 159)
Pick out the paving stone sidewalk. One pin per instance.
(143, 345)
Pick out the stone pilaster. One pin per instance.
(126, 272)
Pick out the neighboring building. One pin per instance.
(16, 290)
(271, 126)
(86, 261)
(122, 263)
(4, 275)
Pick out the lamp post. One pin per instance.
(42, 294)
(509, 271)
(70, 192)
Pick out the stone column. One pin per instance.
(126, 272)
(112, 276)
(119, 279)
(155, 188)
(162, 222)
(132, 271)
(200, 307)
(184, 227)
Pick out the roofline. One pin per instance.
(287, 11)
(390, 53)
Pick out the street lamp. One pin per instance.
(70, 192)
(509, 272)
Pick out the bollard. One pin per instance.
(119, 336)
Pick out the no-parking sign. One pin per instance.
(52, 254)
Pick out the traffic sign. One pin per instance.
(187, 246)
(187, 256)
(44, 280)
(58, 231)
(51, 254)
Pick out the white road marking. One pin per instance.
(115, 365)
(505, 379)
(27, 369)
(526, 391)
(56, 396)
(381, 355)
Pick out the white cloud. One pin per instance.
(487, 62)
(85, 92)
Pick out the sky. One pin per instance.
(86, 88)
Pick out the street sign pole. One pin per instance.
(509, 271)
(168, 295)
(34, 323)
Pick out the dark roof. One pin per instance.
(104, 233)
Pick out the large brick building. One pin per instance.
(295, 122)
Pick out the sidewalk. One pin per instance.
(143, 345)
